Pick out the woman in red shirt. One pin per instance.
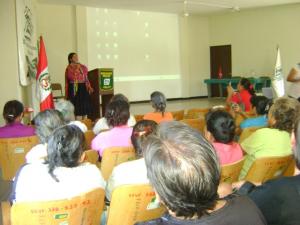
(242, 96)
(78, 86)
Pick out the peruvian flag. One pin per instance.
(43, 80)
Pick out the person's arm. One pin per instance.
(66, 84)
(253, 143)
(84, 71)
(230, 93)
(293, 76)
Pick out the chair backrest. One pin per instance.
(290, 170)
(89, 136)
(88, 123)
(113, 156)
(198, 124)
(138, 117)
(230, 172)
(196, 113)
(82, 210)
(12, 154)
(91, 156)
(56, 87)
(133, 203)
(267, 168)
(178, 115)
(247, 132)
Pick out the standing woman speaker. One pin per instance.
(78, 87)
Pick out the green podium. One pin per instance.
(102, 82)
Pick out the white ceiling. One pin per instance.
(175, 6)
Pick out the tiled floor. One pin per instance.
(174, 105)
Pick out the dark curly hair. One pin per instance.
(159, 102)
(117, 113)
(221, 125)
(262, 104)
(141, 130)
(12, 109)
(65, 147)
(70, 56)
(247, 85)
(285, 111)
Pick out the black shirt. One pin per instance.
(237, 211)
(279, 200)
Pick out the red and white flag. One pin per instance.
(43, 80)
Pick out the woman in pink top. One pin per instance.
(243, 96)
(220, 129)
(117, 114)
(159, 104)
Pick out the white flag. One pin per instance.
(278, 81)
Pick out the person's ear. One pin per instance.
(82, 157)
(208, 135)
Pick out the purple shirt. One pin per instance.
(116, 137)
(16, 129)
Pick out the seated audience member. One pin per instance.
(220, 130)
(67, 110)
(117, 114)
(260, 107)
(13, 114)
(45, 123)
(184, 171)
(159, 104)
(133, 172)
(275, 139)
(243, 95)
(63, 174)
(278, 199)
(102, 125)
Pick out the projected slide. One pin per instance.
(142, 47)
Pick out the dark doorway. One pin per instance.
(220, 64)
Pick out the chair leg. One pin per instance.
(5, 210)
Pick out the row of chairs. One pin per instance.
(129, 204)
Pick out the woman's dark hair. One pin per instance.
(221, 125)
(12, 109)
(65, 147)
(70, 56)
(159, 102)
(46, 122)
(119, 96)
(261, 103)
(285, 111)
(117, 113)
(247, 86)
(183, 168)
(140, 132)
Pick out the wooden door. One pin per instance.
(220, 61)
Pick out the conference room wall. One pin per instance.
(254, 35)
(10, 86)
(66, 31)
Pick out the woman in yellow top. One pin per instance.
(275, 140)
(159, 104)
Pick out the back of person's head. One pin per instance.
(65, 147)
(140, 133)
(117, 113)
(183, 168)
(221, 125)
(12, 110)
(261, 103)
(159, 101)
(67, 110)
(247, 85)
(70, 56)
(118, 97)
(46, 122)
(297, 149)
(284, 111)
